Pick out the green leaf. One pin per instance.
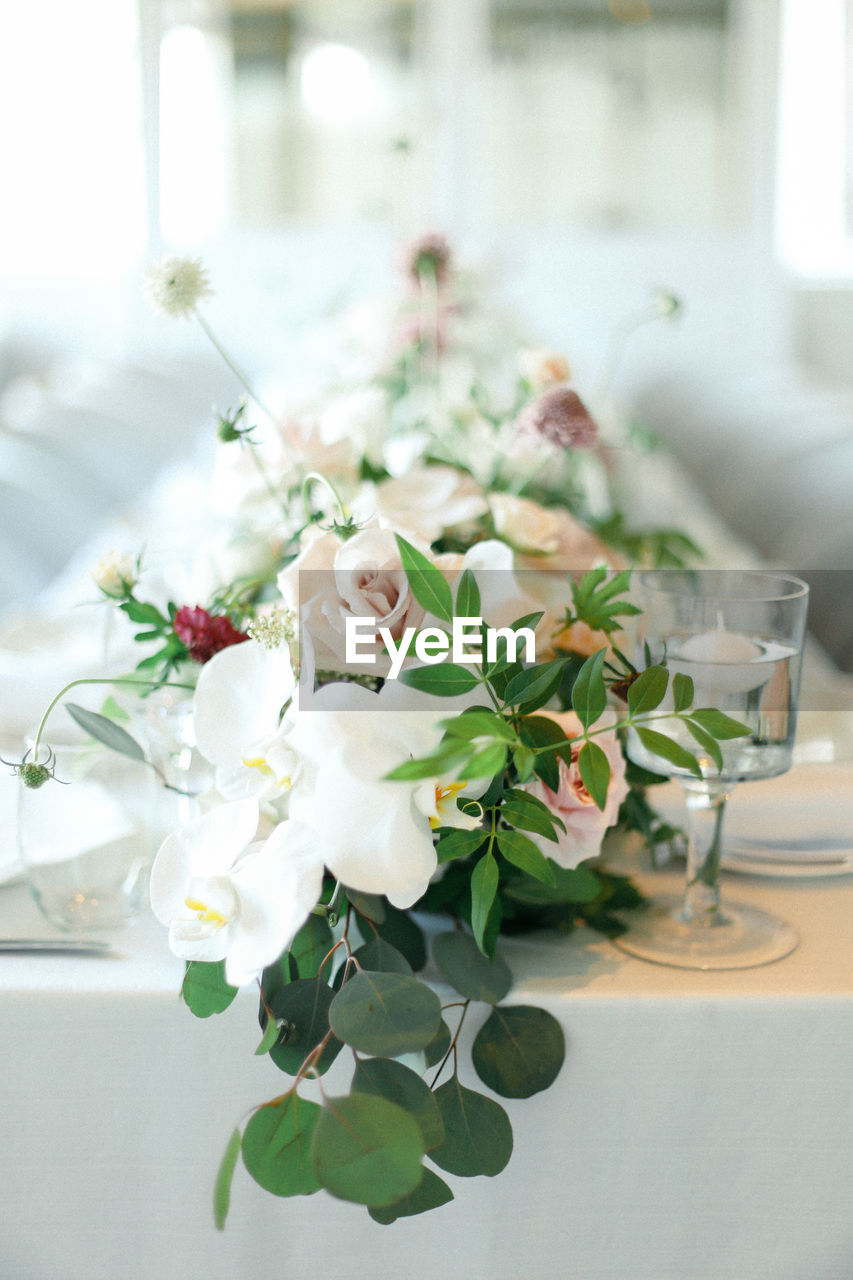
(444, 680)
(438, 1045)
(660, 745)
(648, 690)
(400, 930)
(387, 1014)
(450, 756)
(720, 725)
(527, 856)
(459, 844)
(385, 1078)
(367, 1149)
(519, 1051)
(523, 761)
(467, 596)
(369, 905)
(430, 1193)
(486, 763)
(106, 731)
(269, 1038)
(595, 772)
(303, 1008)
(478, 1132)
(705, 741)
(519, 809)
(222, 1187)
(277, 1146)
(461, 963)
(589, 693)
(534, 684)
(578, 886)
(479, 724)
(311, 945)
(682, 691)
(428, 585)
(379, 955)
(204, 988)
(484, 886)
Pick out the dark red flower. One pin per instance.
(203, 634)
(561, 417)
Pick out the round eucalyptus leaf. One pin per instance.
(387, 1014)
(367, 1149)
(400, 930)
(478, 1134)
(430, 1193)
(519, 1050)
(277, 1146)
(303, 1008)
(438, 1045)
(386, 1078)
(311, 945)
(205, 990)
(468, 971)
(382, 957)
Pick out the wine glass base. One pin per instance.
(741, 937)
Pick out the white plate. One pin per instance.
(807, 813)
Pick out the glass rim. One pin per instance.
(798, 588)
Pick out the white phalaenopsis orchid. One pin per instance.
(226, 896)
(376, 835)
(237, 714)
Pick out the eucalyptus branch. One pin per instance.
(452, 1046)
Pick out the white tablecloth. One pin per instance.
(702, 1126)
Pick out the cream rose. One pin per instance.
(585, 823)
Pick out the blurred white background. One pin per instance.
(578, 152)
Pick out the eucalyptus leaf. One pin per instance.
(303, 1009)
(463, 965)
(224, 1177)
(277, 1146)
(367, 1149)
(379, 955)
(386, 1078)
(478, 1133)
(387, 1014)
(204, 988)
(106, 731)
(438, 1045)
(402, 932)
(369, 905)
(311, 945)
(269, 1038)
(519, 1050)
(430, 1193)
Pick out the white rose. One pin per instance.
(426, 500)
(116, 573)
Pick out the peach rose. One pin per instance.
(585, 823)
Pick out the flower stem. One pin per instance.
(150, 684)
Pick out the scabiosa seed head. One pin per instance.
(205, 634)
(34, 775)
(175, 286)
(428, 257)
(561, 417)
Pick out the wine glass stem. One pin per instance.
(706, 806)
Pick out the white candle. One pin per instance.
(719, 645)
(719, 661)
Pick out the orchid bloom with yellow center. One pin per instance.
(439, 802)
(226, 895)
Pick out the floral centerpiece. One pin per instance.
(411, 707)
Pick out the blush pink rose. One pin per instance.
(585, 823)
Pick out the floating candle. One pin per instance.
(719, 645)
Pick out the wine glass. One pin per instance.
(739, 635)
